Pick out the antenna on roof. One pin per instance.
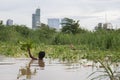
(37, 3)
(105, 17)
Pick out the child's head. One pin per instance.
(41, 55)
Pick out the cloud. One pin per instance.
(89, 12)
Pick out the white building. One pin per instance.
(107, 26)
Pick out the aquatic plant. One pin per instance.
(108, 72)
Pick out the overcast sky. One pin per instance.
(89, 12)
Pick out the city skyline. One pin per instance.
(89, 12)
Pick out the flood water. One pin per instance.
(25, 69)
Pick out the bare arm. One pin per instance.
(31, 54)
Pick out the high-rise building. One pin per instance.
(54, 22)
(9, 22)
(36, 19)
(107, 26)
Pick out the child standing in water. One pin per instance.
(41, 55)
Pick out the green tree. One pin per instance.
(70, 26)
(1, 22)
(43, 34)
(22, 29)
(99, 26)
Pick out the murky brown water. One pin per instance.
(25, 69)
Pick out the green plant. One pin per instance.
(27, 46)
(107, 72)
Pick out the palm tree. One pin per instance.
(70, 26)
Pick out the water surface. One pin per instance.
(25, 69)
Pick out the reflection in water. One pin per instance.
(60, 70)
(41, 64)
(26, 71)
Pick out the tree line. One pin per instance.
(70, 33)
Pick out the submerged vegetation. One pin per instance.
(108, 72)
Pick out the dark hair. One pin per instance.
(41, 55)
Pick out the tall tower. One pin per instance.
(36, 19)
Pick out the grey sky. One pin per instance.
(89, 12)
